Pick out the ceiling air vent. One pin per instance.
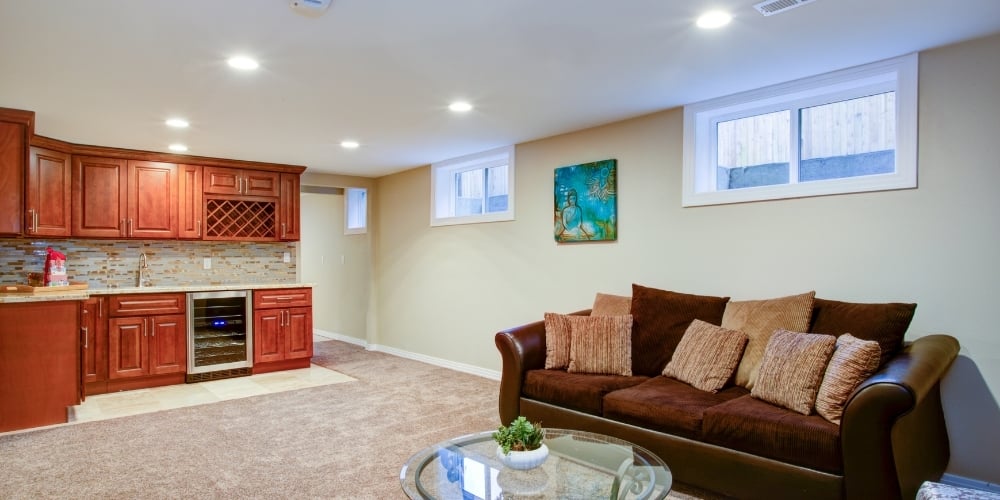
(772, 7)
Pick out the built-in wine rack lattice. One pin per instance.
(240, 219)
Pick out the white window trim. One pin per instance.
(899, 74)
(347, 212)
(443, 189)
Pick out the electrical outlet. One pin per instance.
(287, 257)
(207, 263)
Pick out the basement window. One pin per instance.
(474, 188)
(849, 131)
(355, 211)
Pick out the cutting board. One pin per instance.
(73, 285)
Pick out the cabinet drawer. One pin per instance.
(283, 297)
(147, 303)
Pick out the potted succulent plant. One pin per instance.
(520, 446)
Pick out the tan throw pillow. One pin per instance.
(792, 369)
(601, 345)
(557, 338)
(707, 356)
(611, 305)
(759, 319)
(853, 361)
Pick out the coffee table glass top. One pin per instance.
(580, 465)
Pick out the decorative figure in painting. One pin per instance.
(586, 202)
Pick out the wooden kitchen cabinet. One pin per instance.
(282, 329)
(288, 208)
(39, 363)
(222, 180)
(147, 340)
(117, 198)
(15, 128)
(48, 188)
(190, 214)
(94, 346)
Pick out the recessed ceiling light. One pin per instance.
(179, 148)
(349, 144)
(714, 19)
(242, 62)
(177, 123)
(460, 106)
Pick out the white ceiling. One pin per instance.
(382, 72)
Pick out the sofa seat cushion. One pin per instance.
(666, 404)
(753, 426)
(577, 391)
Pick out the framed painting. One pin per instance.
(586, 202)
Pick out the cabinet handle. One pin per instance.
(86, 334)
(34, 219)
(130, 233)
(282, 229)
(283, 298)
(121, 228)
(199, 229)
(100, 307)
(143, 327)
(152, 328)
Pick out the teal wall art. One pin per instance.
(586, 202)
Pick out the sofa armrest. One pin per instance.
(522, 348)
(893, 432)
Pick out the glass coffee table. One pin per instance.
(580, 465)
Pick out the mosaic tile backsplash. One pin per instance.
(114, 263)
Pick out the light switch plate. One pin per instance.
(287, 257)
(208, 263)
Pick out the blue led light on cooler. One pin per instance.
(219, 322)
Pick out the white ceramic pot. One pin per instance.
(523, 460)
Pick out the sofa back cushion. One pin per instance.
(660, 318)
(611, 305)
(759, 319)
(707, 356)
(557, 339)
(883, 323)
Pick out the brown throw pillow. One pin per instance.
(853, 361)
(707, 356)
(611, 305)
(601, 345)
(557, 339)
(660, 320)
(792, 369)
(759, 319)
(883, 323)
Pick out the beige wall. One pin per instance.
(444, 291)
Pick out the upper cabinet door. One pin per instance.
(152, 200)
(48, 187)
(12, 144)
(288, 208)
(99, 197)
(221, 180)
(189, 209)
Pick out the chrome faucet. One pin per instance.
(143, 275)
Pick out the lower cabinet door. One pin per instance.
(167, 344)
(298, 333)
(267, 342)
(127, 348)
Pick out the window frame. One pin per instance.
(443, 191)
(349, 207)
(701, 150)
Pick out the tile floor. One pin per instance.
(120, 404)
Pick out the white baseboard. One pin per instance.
(341, 337)
(443, 363)
(965, 482)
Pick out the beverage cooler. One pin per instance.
(220, 336)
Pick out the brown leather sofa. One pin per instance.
(891, 439)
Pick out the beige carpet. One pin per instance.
(336, 441)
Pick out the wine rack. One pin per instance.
(240, 219)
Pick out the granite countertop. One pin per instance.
(11, 298)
